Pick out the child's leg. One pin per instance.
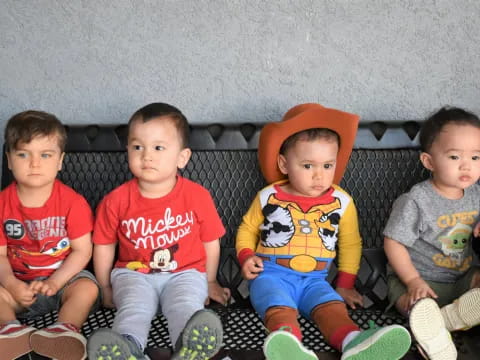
(331, 316)
(195, 333)
(274, 295)
(8, 306)
(63, 339)
(77, 301)
(14, 337)
(285, 339)
(464, 312)
(283, 318)
(181, 297)
(333, 321)
(137, 303)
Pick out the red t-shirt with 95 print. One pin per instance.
(38, 239)
(159, 235)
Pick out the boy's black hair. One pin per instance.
(155, 110)
(26, 125)
(434, 124)
(309, 135)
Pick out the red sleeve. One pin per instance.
(211, 226)
(244, 254)
(346, 280)
(106, 223)
(80, 218)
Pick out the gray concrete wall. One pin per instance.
(96, 61)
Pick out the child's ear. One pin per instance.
(426, 160)
(184, 157)
(60, 161)
(282, 164)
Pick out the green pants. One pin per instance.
(447, 292)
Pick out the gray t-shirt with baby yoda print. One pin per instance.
(436, 231)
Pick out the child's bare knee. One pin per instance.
(6, 299)
(83, 287)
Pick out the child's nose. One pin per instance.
(147, 155)
(35, 161)
(465, 165)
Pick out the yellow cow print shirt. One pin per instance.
(304, 233)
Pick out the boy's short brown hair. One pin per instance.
(309, 135)
(24, 126)
(156, 110)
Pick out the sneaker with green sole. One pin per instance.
(201, 338)
(283, 345)
(378, 343)
(106, 344)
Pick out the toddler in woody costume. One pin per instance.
(288, 238)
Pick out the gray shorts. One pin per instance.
(46, 304)
(447, 292)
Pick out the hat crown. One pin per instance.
(298, 109)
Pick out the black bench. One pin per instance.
(383, 165)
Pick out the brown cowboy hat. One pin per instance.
(303, 117)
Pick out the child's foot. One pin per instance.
(201, 338)
(106, 344)
(378, 343)
(464, 312)
(59, 341)
(428, 328)
(283, 345)
(15, 340)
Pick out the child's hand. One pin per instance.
(351, 296)
(107, 296)
(252, 267)
(476, 230)
(22, 293)
(217, 293)
(418, 289)
(45, 287)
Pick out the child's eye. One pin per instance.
(307, 166)
(327, 166)
(21, 155)
(475, 158)
(136, 147)
(453, 157)
(159, 148)
(46, 156)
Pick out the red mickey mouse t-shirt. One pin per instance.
(159, 235)
(38, 239)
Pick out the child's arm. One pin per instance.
(401, 263)
(215, 291)
(246, 241)
(350, 253)
(476, 230)
(19, 290)
(103, 258)
(75, 262)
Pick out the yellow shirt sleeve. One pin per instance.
(248, 233)
(349, 241)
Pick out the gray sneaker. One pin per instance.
(107, 344)
(201, 338)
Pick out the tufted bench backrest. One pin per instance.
(383, 165)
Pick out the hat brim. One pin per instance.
(274, 134)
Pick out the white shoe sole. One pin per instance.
(428, 328)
